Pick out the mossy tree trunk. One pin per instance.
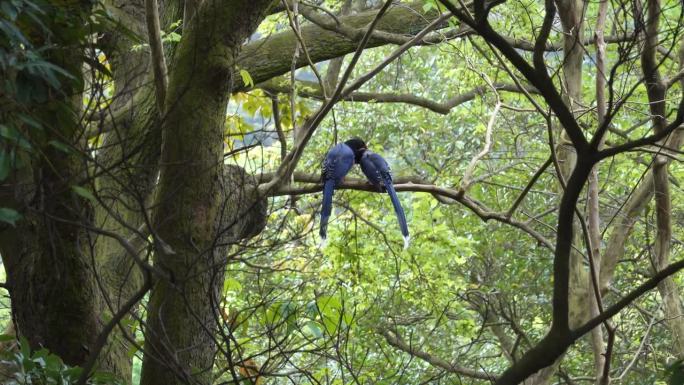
(49, 272)
(179, 345)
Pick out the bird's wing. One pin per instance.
(378, 171)
(338, 162)
(336, 165)
(373, 166)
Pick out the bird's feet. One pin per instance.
(377, 187)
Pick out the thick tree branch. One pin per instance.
(271, 56)
(601, 360)
(188, 201)
(333, 24)
(656, 89)
(648, 140)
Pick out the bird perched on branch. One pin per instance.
(339, 160)
(336, 165)
(379, 175)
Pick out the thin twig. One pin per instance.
(465, 182)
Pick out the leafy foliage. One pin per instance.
(42, 367)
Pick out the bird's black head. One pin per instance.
(358, 146)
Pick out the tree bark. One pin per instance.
(127, 168)
(271, 56)
(656, 90)
(179, 344)
(46, 256)
(593, 207)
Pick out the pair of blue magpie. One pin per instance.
(337, 164)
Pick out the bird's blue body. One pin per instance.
(336, 165)
(378, 173)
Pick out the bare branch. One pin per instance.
(465, 182)
(529, 185)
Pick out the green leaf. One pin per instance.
(232, 284)
(271, 315)
(176, 24)
(6, 337)
(314, 329)
(30, 121)
(247, 78)
(330, 325)
(60, 146)
(327, 303)
(12, 134)
(24, 347)
(84, 192)
(172, 37)
(8, 215)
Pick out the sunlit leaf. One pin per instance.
(84, 192)
(246, 78)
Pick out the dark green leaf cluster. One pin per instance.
(43, 367)
(25, 43)
(35, 38)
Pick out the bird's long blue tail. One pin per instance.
(328, 189)
(401, 217)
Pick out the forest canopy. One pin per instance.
(161, 177)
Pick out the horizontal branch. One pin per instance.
(408, 184)
(589, 40)
(312, 90)
(526, 45)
